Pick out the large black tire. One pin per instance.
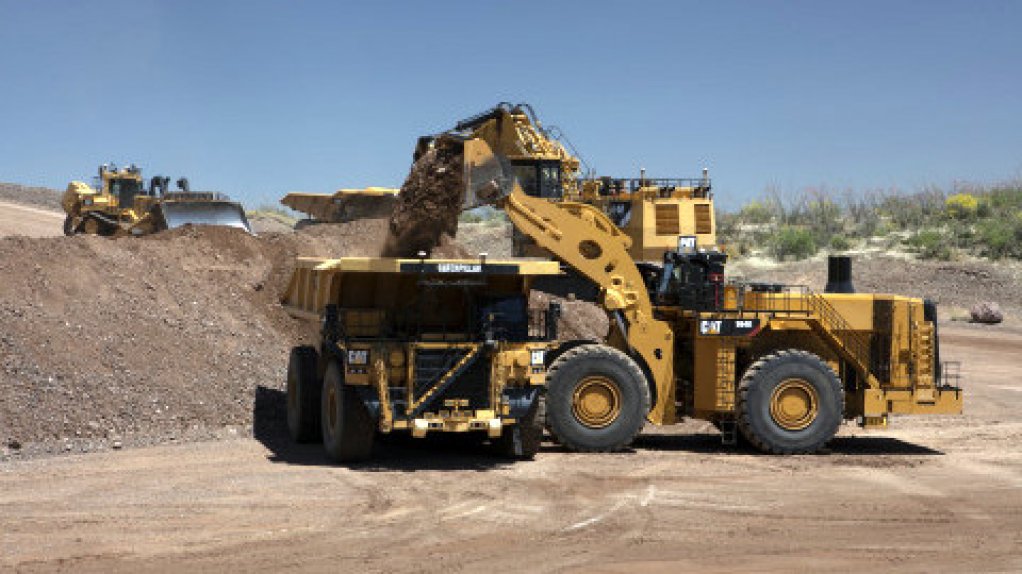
(348, 430)
(790, 402)
(70, 225)
(597, 399)
(522, 441)
(303, 392)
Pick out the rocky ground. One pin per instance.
(111, 344)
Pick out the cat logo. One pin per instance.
(358, 356)
(459, 268)
(709, 327)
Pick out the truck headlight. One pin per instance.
(537, 357)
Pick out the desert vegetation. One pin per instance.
(976, 221)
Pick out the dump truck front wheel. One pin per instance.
(597, 399)
(789, 402)
(522, 440)
(348, 430)
(303, 395)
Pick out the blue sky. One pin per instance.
(259, 98)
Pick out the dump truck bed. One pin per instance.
(315, 281)
(330, 206)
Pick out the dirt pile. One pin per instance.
(429, 203)
(40, 196)
(143, 340)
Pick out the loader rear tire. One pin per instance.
(597, 399)
(348, 430)
(522, 441)
(303, 395)
(790, 402)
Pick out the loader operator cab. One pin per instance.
(539, 178)
(690, 279)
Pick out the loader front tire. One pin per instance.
(348, 430)
(789, 402)
(303, 395)
(597, 399)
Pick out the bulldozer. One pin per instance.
(779, 367)
(344, 205)
(119, 204)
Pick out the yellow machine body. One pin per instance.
(783, 365)
(413, 336)
(122, 205)
(346, 204)
(654, 213)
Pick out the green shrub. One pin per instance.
(1001, 238)
(793, 242)
(755, 212)
(840, 243)
(961, 206)
(930, 244)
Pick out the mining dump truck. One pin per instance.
(418, 346)
(341, 206)
(121, 204)
(780, 367)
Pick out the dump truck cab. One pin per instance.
(419, 346)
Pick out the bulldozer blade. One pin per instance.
(224, 213)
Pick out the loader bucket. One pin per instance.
(217, 212)
(488, 176)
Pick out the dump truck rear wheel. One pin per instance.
(790, 402)
(303, 395)
(348, 430)
(597, 399)
(522, 441)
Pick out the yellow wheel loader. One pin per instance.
(121, 204)
(653, 212)
(341, 206)
(779, 366)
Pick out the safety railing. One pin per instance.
(800, 300)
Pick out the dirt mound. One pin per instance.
(147, 339)
(40, 196)
(429, 203)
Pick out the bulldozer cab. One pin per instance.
(123, 185)
(125, 190)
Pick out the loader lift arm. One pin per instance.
(583, 237)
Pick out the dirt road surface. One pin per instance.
(930, 494)
(18, 219)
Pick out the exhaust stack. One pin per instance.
(839, 274)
